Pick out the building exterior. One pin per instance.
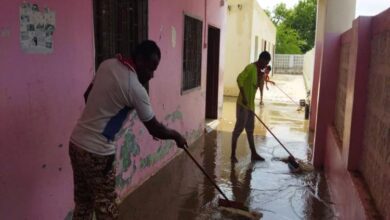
(350, 108)
(308, 68)
(46, 67)
(41, 93)
(249, 31)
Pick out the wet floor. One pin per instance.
(180, 191)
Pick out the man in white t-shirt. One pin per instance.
(116, 91)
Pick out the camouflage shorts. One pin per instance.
(94, 185)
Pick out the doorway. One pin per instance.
(212, 73)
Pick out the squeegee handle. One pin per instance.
(204, 172)
(286, 95)
(258, 118)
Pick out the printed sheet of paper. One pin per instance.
(36, 28)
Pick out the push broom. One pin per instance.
(292, 100)
(225, 203)
(295, 165)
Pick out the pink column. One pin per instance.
(314, 90)
(356, 93)
(326, 94)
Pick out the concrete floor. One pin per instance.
(180, 191)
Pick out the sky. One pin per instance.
(363, 7)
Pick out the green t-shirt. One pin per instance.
(247, 79)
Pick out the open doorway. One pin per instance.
(212, 72)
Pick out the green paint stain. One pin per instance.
(124, 182)
(129, 149)
(174, 116)
(162, 151)
(69, 216)
(194, 134)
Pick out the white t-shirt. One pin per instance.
(115, 93)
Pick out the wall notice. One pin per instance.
(36, 28)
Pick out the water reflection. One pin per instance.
(241, 189)
(180, 191)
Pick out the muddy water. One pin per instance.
(180, 191)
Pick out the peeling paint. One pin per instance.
(132, 159)
(122, 182)
(161, 152)
(69, 216)
(128, 151)
(5, 32)
(194, 134)
(161, 32)
(176, 115)
(173, 40)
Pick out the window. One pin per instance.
(119, 26)
(192, 53)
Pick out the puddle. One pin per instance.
(180, 191)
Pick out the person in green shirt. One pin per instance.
(248, 81)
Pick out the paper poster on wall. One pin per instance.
(36, 28)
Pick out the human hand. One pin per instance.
(181, 142)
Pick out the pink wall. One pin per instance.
(40, 101)
(341, 155)
(185, 112)
(344, 192)
(375, 156)
(314, 90)
(326, 94)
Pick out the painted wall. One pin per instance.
(216, 17)
(166, 25)
(308, 68)
(40, 101)
(375, 160)
(341, 92)
(238, 45)
(355, 127)
(333, 17)
(338, 18)
(262, 27)
(242, 27)
(319, 43)
(339, 115)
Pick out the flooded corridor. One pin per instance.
(180, 191)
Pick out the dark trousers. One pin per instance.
(244, 120)
(94, 185)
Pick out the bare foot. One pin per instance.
(256, 157)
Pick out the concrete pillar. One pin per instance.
(334, 18)
(320, 28)
(356, 95)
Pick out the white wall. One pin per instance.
(238, 45)
(242, 27)
(262, 27)
(308, 68)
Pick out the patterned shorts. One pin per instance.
(94, 185)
